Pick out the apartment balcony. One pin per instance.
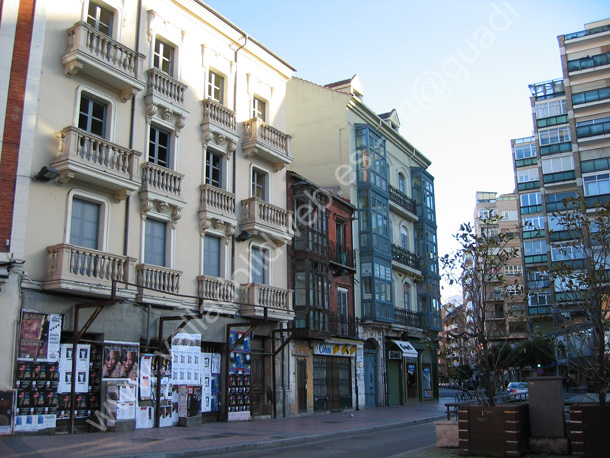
(342, 259)
(342, 326)
(217, 209)
(218, 294)
(261, 217)
(97, 162)
(407, 318)
(98, 56)
(89, 272)
(402, 204)
(264, 301)
(165, 99)
(219, 127)
(155, 283)
(404, 260)
(161, 190)
(495, 315)
(266, 143)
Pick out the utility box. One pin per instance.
(547, 418)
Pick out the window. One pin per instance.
(164, 57)
(213, 169)
(402, 183)
(92, 116)
(557, 164)
(258, 265)
(216, 87)
(525, 175)
(548, 109)
(159, 146)
(406, 296)
(100, 18)
(533, 223)
(488, 213)
(85, 223)
(513, 270)
(342, 302)
(530, 199)
(557, 223)
(533, 247)
(596, 185)
(259, 184)
(211, 248)
(566, 252)
(525, 151)
(404, 238)
(340, 234)
(558, 135)
(539, 299)
(155, 242)
(258, 108)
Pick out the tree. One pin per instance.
(581, 274)
(478, 266)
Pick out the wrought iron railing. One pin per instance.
(400, 198)
(407, 318)
(406, 257)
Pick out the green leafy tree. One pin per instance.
(581, 275)
(478, 265)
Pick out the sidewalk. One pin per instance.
(221, 437)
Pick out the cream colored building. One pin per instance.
(165, 126)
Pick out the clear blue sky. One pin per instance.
(456, 71)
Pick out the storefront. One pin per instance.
(333, 368)
(402, 372)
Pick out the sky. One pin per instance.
(457, 72)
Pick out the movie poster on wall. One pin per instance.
(121, 360)
(39, 337)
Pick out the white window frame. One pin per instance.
(266, 250)
(525, 151)
(555, 135)
(538, 247)
(113, 5)
(172, 156)
(530, 199)
(104, 216)
(345, 293)
(267, 196)
(551, 108)
(597, 178)
(556, 164)
(213, 84)
(533, 223)
(174, 56)
(527, 175)
(515, 270)
(256, 102)
(566, 251)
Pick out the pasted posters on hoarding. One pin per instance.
(121, 360)
(39, 337)
(82, 368)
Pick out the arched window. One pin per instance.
(401, 183)
(404, 238)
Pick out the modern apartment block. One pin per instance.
(149, 213)
(568, 156)
(505, 307)
(361, 157)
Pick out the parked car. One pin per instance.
(517, 388)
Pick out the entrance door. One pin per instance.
(302, 384)
(370, 377)
(394, 383)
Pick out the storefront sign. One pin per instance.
(325, 349)
(394, 354)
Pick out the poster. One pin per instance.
(186, 354)
(39, 337)
(120, 360)
(145, 377)
(82, 368)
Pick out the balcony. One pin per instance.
(165, 99)
(73, 268)
(404, 259)
(342, 326)
(264, 301)
(98, 56)
(95, 161)
(402, 204)
(261, 217)
(342, 257)
(218, 293)
(266, 143)
(161, 190)
(155, 282)
(219, 126)
(407, 318)
(495, 315)
(217, 207)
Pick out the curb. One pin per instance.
(263, 445)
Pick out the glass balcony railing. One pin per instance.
(587, 32)
(586, 63)
(596, 95)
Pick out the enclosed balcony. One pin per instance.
(96, 55)
(261, 217)
(264, 301)
(219, 127)
(404, 260)
(95, 161)
(77, 269)
(341, 259)
(266, 143)
(402, 204)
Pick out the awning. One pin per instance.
(408, 351)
